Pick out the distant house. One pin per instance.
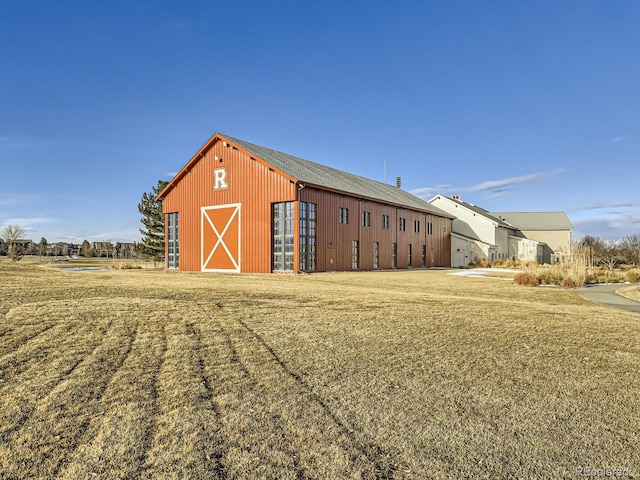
(477, 234)
(102, 249)
(74, 249)
(27, 245)
(123, 250)
(59, 249)
(551, 229)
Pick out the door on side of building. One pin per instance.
(332, 259)
(220, 238)
(459, 259)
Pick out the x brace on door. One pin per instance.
(221, 253)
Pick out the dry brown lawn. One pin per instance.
(419, 374)
(632, 292)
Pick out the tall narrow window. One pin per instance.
(430, 228)
(385, 222)
(402, 224)
(394, 256)
(416, 226)
(283, 221)
(307, 237)
(354, 255)
(424, 256)
(410, 255)
(366, 219)
(376, 255)
(173, 257)
(344, 215)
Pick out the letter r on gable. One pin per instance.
(220, 179)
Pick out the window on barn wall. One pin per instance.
(376, 255)
(416, 226)
(344, 215)
(394, 255)
(385, 222)
(410, 255)
(354, 255)
(307, 237)
(402, 224)
(283, 221)
(172, 240)
(424, 256)
(430, 228)
(366, 219)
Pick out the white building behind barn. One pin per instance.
(477, 234)
(551, 229)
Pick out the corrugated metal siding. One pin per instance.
(251, 183)
(333, 235)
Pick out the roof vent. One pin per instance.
(455, 197)
(399, 182)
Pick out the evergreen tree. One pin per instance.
(152, 244)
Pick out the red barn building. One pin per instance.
(239, 207)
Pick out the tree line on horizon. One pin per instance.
(151, 247)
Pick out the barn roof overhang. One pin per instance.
(326, 178)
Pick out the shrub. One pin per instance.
(512, 264)
(599, 275)
(633, 275)
(527, 279)
(572, 282)
(16, 252)
(551, 276)
(124, 266)
(498, 263)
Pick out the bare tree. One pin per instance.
(594, 249)
(611, 254)
(87, 250)
(12, 233)
(16, 252)
(42, 247)
(630, 246)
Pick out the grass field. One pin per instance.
(632, 292)
(419, 374)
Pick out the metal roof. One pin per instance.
(536, 220)
(315, 174)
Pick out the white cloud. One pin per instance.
(506, 182)
(498, 188)
(604, 206)
(616, 140)
(426, 193)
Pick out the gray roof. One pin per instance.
(322, 176)
(537, 220)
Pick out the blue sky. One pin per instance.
(515, 106)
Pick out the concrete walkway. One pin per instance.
(606, 295)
